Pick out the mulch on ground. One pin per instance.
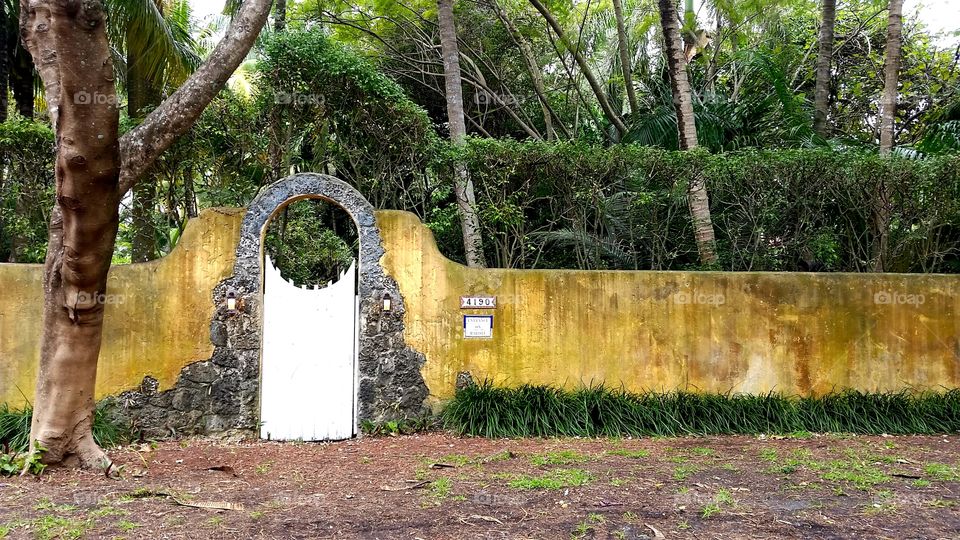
(437, 486)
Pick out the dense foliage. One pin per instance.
(355, 89)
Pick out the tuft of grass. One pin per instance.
(632, 454)
(861, 474)
(561, 457)
(942, 472)
(597, 411)
(555, 479)
(108, 429)
(440, 488)
(682, 472)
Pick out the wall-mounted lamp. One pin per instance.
(231, 301)
(387, 302)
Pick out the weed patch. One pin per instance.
(555, 479)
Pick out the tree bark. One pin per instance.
(463, 185)
(821, 103)
(588, 74)
(83, 224)
(891, 76)
(142, 95)
(626, 59)
(697, 197)
(143, 237)
(888, 110)
(189, 195)
(84, 220)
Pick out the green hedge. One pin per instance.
(543, 411)
(566, 205)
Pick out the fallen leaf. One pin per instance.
(485, 518)
(218, 505)
(656, 533)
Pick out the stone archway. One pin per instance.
(221, 394)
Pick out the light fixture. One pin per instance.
(231, 301)
(387, 302)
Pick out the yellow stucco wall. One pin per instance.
(791, 332)
(157, 316)
(795, 333)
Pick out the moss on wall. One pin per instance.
(757, 332)
(157, 315)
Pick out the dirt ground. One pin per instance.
(437, 486)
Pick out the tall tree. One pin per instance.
(626, 58)
(888, 110)
(891, 75)
(95, 166)
(463, 185)
(697, 197)
(5, 52)
(821, 102)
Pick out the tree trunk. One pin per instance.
(280, 15)
(83, 226)
(5, 52)
(888, 111)
(463, 186)
(21, 81)
(821, 103)
(626, 59)
(143, 234)
(697, 197)
(189, 194)
(142, 96)
(584, 68)
(891, 75)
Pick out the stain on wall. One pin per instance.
(797, 333)
(157, 316)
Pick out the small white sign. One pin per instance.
(478, 326)
(478, 302)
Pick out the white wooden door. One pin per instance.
(308, 369)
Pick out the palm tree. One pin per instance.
(888, 109)
(160, 54)
(697, 198)
(469, 222)
(822, 93)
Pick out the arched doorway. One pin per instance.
(222, 393)
(308, 368)
(388, 382)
